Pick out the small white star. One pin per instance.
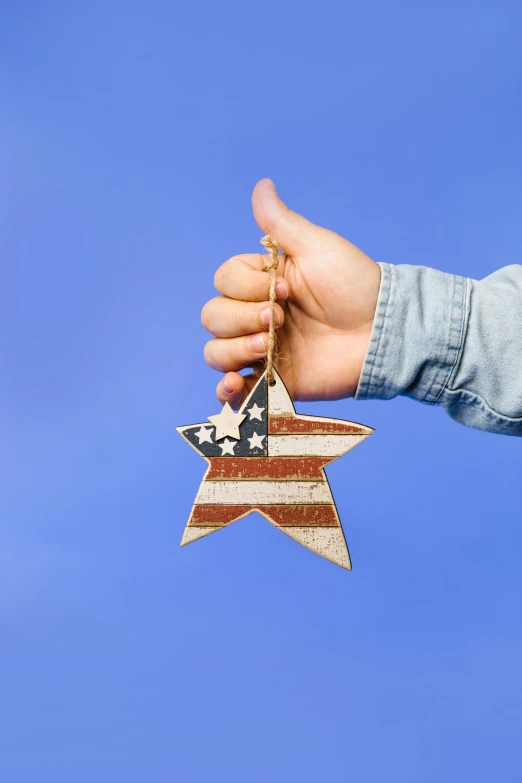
(227, 447)
(227, 422)
(255, 412)
(203, 435)
(256, 441)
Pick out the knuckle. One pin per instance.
(215, 356)
(223, 275)
(205, 316)
(220, 277)
(241, 258)
(247, 319)
(208, 352)
(278, 219)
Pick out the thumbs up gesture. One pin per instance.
(326, 297)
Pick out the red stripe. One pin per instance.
(286, 516)
(216, 516)
(279, 425)
(302, 516)
(288, 468)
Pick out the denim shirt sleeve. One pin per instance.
(450, 341)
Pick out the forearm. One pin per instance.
(451, 341)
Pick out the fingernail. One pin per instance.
(256, 343)
(265, 316)
(226, 388)
(281, 289)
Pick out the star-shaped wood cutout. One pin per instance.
(255, 412)
(227, 447)
(204, 435)
(284, 480)
(256, 441)
(227, 422)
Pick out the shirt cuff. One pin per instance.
(417, 335)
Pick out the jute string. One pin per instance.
(271, 264)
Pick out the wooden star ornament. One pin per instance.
(269, 459)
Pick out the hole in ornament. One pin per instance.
(272, 382)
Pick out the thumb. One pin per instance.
(287, 228)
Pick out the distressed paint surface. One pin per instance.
(278, 425)
(254, 492)
(274, 467)
(191, 534)
(312, 445)
(288, 468)
(214, 515)
(327, 542)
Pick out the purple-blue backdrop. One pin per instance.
(131, 136)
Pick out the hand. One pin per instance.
(327, 293)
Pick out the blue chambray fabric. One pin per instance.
(451, 341)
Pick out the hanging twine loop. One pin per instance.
(271, 264)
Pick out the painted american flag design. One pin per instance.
(267, 458)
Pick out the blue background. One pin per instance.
(131, 136)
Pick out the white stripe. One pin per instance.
(230, 493)
(191, 534)
(325, 541)
(311, 445)
(278, 398)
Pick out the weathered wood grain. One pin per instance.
(312, 445)
(327, 542)
(264, 492)
(280, 425)
(214, 515)
(288, 468)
